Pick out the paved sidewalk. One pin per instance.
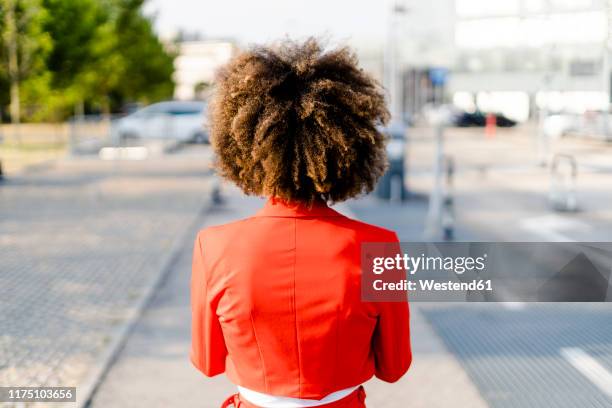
(153, 370)
(80, 244)
(502, 194)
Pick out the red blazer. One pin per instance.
(276, 304)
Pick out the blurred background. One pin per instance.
(501, 131)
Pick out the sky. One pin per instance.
(356, 22)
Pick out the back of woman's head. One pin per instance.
(298, 123)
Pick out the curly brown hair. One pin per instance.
(298, 123)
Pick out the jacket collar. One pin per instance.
(278, 208)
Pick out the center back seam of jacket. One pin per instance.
(297, 338)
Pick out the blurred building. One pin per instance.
(515, 55)
(509, 56)
(419, 46)
(196, 64)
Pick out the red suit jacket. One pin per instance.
(276, 304)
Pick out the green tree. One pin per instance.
(105, 54)
(84, 62)
(148, 64)
(24, 79)
(62, 56)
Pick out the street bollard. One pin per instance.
(216, 197)
(391, 184)
(562, 193)
(490, 125)
(448, 203)
(433, 222)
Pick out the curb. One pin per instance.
(40, 166)
(88, 387)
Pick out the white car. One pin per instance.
(559, 125)
(183, 121)
(591, 124)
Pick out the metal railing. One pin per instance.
(563, 175)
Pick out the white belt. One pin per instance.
(274, 401)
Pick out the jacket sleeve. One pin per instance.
(208, 349)
(391, 340)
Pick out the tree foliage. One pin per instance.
(95, 54)
(149, 67)
(22, 27)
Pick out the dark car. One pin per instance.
(479, 119)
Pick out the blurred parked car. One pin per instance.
(558, 125)
(590, 124)
(183, 121)
(479, 119)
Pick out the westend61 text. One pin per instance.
(432, 285)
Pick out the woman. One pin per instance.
(276, 297)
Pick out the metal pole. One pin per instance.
(542, 136)
(434, 213)
(547, 82)
(391, 63)
(606, 69)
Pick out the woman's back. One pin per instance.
(289, 307)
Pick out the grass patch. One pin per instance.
(32, 146)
